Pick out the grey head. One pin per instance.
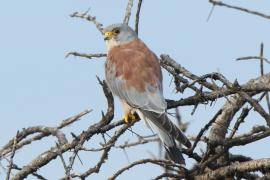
(118, 34)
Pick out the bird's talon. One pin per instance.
(132, 117)
(128, 118)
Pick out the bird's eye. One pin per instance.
(117, 31)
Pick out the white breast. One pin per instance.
(111, 43)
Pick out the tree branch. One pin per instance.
(249, 166)
(220, 3)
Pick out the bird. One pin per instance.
(133, 74)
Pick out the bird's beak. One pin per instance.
(108, 35)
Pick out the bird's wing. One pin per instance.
(136, 78)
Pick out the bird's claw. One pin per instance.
(129, 117)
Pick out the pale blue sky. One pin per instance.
(40, 87)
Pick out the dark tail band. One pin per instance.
(175, 154)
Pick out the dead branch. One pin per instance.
(169, 175)
(144, 161)
(128, 11)
(104, 156)
(249, 166)
(220, 3)
(25, 132)
(253, 58)
(51, 154)
(12, 156)
(138, 16)
(89, 18)
(88, 56)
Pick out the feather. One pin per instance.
(165, 124)
(166, 133)
(133, 74)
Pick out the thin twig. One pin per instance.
(144, 161)
(40, 177)
(100, 127)
(256, 106)
(261, 60)
(128, 11)
(262, 73)
(105, 153)
(220, 3)
(210, 13)
(253, 58)
(205, 128)
(67, 171)
(88, 56)
(243, 115)
(25, 132)
(89, 18)
(169, 175)
(12, 156)
(138, 16)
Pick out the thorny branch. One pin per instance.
(215, 161)
(89, 18)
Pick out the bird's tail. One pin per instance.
(175, 154)
(167, 132)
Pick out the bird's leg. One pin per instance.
(130, 116)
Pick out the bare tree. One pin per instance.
(214, 162)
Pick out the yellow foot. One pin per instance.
(128, 118)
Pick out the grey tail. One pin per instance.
(175, 154)
(163, 122)
(167, 132)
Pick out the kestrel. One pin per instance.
(133, 74)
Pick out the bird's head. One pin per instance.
(118, 34)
